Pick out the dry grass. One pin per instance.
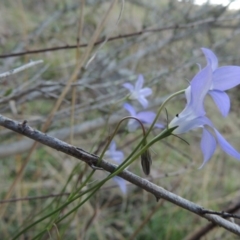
(168, 60)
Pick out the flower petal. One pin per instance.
(130, 109)
(226, 147)
(112, 146)
(139, 82)
(211, 58)
(208, 146)
(222, 101)
(113, 154)
(226, 77)
(143, 101)
(200, 86)
(129, 86)
(145, 92)
(118, 156)
(146, 117)
(186, 124)
(133, 125)
(121, 183)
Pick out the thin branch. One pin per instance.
(92, 160)
(121, 36)
(222, 214)
(24, 145)
(199, 233)
(19, 69)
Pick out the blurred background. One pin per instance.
(161, 40)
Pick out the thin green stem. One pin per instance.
(162, 135)
(161, 108)
(115, 132)
(120, 168)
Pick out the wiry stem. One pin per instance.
(80, 154)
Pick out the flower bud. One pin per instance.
(146, 162)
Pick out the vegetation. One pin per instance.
(160, 40)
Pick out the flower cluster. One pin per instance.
(139, 93)
(212, 80)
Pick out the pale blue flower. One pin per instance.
(138, 92)
(118, 157)
(193, 116)
(146, 117)
(121, 183)
(223, 78)
(113, 154)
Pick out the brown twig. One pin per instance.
(121, 36)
